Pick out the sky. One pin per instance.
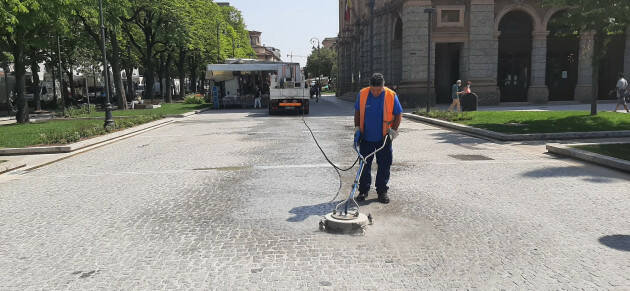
(289, 25)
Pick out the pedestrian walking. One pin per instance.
(622, 93)
(257, 103)
(377, 113)
(456, 91)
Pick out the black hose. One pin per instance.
(337, 168)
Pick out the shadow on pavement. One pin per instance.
(618, 241)
(459, 138)
(575, 172)
(301, 213)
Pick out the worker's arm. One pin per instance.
(357, 118)
(396, 122)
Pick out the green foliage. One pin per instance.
(194, 99)
(445, 115)
(80, 111)
(602, 16)
(64, 135)
(620, 151)
(322, 62)
(539, 121)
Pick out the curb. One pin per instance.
(519, 137)
(81, 144)
(95, 140)
(595, 158)
(10, 166)
(188, 113)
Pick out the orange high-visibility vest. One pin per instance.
(388, 108)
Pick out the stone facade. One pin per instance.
(472, 40)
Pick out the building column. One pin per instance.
(414, 53)
(483, 52)
(584, 87)
(538, 91)
(626, 67)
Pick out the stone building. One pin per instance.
(263, 53)
(511, 51)
(330, 43)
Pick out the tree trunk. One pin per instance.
(169, 93)
(129, 75)
(160, 73)
(149, 78)
(20, 72)
(5, 67)
(36, 89)
(115, 62)
(182, 72)
(193, 74)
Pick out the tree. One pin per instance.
(603, 17)
(322, 62)
(24, 19)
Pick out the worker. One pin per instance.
(377, 116)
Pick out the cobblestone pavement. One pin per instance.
(231, 200)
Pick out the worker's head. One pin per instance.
(377, 84)
(459, 82)
(621, 75)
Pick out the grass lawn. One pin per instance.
(620, 151)
(166, 109)
(70, 131)
(516, 122)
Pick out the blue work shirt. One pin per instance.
(373, 130)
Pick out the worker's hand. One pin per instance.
(392, 134)
(357, 134)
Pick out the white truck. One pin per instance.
(282, 82)
(293, 98)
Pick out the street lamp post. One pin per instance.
(109, 121)
(430, 11)
(372, 36)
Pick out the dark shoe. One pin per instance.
(362, 196)
(383, 198)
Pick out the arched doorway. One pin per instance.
(515, 50)
(611, 64)
(397, 52)
(562, 59)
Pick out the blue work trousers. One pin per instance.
(384, 161)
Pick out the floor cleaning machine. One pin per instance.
(345, 217)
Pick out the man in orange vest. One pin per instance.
(377, 116)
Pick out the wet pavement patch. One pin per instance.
(471, 157)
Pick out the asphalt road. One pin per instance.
(231, 200)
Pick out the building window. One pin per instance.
(452, 16)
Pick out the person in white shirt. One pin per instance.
(622, 90)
